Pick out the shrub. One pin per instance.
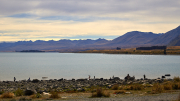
(136, 87)
(157, 88)
(7, 95)
(168, 86)
(54, 95)
(176, 79)
(38, 95)
(19, 92)
(1, 92)
(100, 93)
(176, 85)
(115, 87)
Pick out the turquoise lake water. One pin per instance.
(80, 65)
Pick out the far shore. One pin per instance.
(173, 50)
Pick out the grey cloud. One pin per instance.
(91, 7)
(9, 7)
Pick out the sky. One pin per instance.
(24, 20)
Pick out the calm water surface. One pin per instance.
(75, 65)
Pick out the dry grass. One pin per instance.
(176, 85)
(120, 92)
(170, 50)
(115, 87)
(7, 95)
(54, 95)
(36, 96)
(100, 93)
(168, 86)
(157, 88)
(176, 79)
(136, 87)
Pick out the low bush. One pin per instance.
(38, 95)
(176, 86)
(168, 86)
(54, 95)
(100, 93)
(157, 88)
(176, 79)
(7, 95)
(115, 87)
(136, 87)
(19, 92)
(1, 92)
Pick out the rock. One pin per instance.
(44, 93)
(128, 92)
(35, 80)
(80, 89)
(29, 92)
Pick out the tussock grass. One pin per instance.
(136, 87)
(36, 95)
(168, 86)
(176, 85)
(120, 92)
(19, 92)
(7, 95)
(54, 95)
(157, 88)
(24, 99)
(100, 93)
(115, 87)
(176, 79)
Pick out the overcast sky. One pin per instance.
(84, 19)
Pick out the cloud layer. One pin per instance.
(40, 19)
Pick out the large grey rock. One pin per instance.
(29, 91)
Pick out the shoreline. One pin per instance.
(82, 89)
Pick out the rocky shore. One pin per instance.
(63, 85)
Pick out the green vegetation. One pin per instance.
(38, 95)
(19, 92)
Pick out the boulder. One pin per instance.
(29, 91)
(35, 80)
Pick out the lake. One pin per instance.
(80, 65)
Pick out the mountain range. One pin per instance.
(129, 40)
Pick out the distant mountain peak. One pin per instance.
(165, 38)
